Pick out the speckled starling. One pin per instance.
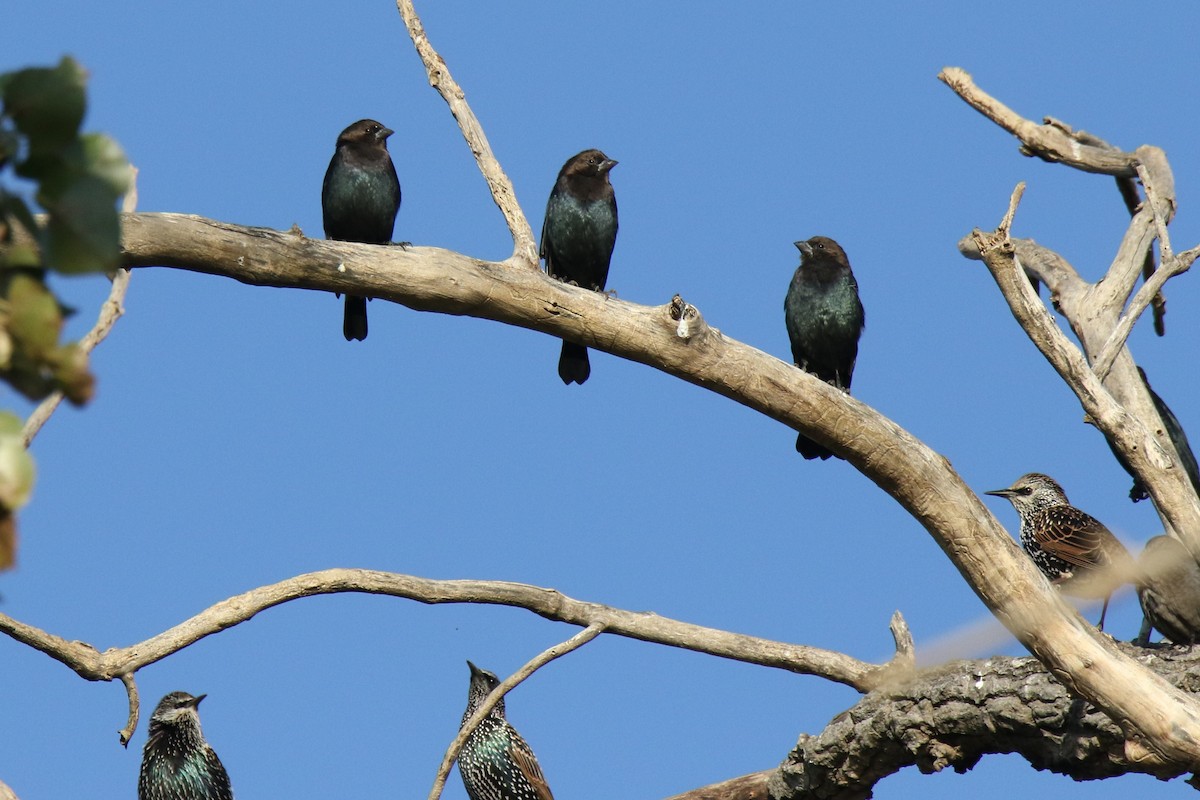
(1168, 588)
(578, 236)
(177, 763)
(360, 198)
(1073, 549)
(496, 763)
(824, 318)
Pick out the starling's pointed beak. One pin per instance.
(1000, 492)
(804, 247)
(474, 669)
(196, 700)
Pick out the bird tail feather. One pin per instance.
(573, 365)
(354, 322)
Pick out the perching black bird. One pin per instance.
(1071, 548)
(496, 763)
(177, 763)
(1179, 440)
(359, 201)
(824, 319)
(1168, 588)
(578, 235)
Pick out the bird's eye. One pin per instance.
(820, 246)
(592, 160)
(1025, 490)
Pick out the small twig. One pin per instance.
(906, 650)
(1014, 200)
(1151, 288)
(508, 684)
(110, 311)
(1155, 203)
(135, 707)
(525, 247)
(1142, 299)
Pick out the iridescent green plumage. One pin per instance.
(177, 762)
(496, 763)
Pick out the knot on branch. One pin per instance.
(688, 320)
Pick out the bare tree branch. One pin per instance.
(1150, 292)
(1049, 141)
(955, 714)
(525, 247)
(1113, 396)
(122, 662)
(507, 685)
(745, 787)
(921, 480)
(135, 708)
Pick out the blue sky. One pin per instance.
(236, 439)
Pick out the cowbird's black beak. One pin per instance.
(804, 247)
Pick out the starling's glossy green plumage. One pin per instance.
(824, 319)
(1071, 548)
(578, 236)
(496, 763)
(1169, 590)
(177, 763)
(360, 198)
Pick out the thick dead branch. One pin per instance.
(919, 479)
(121, 663)
(955, 714)
(1113, 396)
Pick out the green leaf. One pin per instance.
(47, 104)
(17, 475)
(34, 320)
(16, 466)
(104, 159)
(84, 232)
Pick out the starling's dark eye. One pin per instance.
(1025, 490)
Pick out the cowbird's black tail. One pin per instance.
(354, 323)
(573, 366)
(810, 449)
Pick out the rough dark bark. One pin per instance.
(953, 715)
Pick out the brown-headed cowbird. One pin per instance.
(578, 235)
(824, 319)
(359, 201)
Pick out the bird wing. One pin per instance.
(1077, 538)
(523, 757)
